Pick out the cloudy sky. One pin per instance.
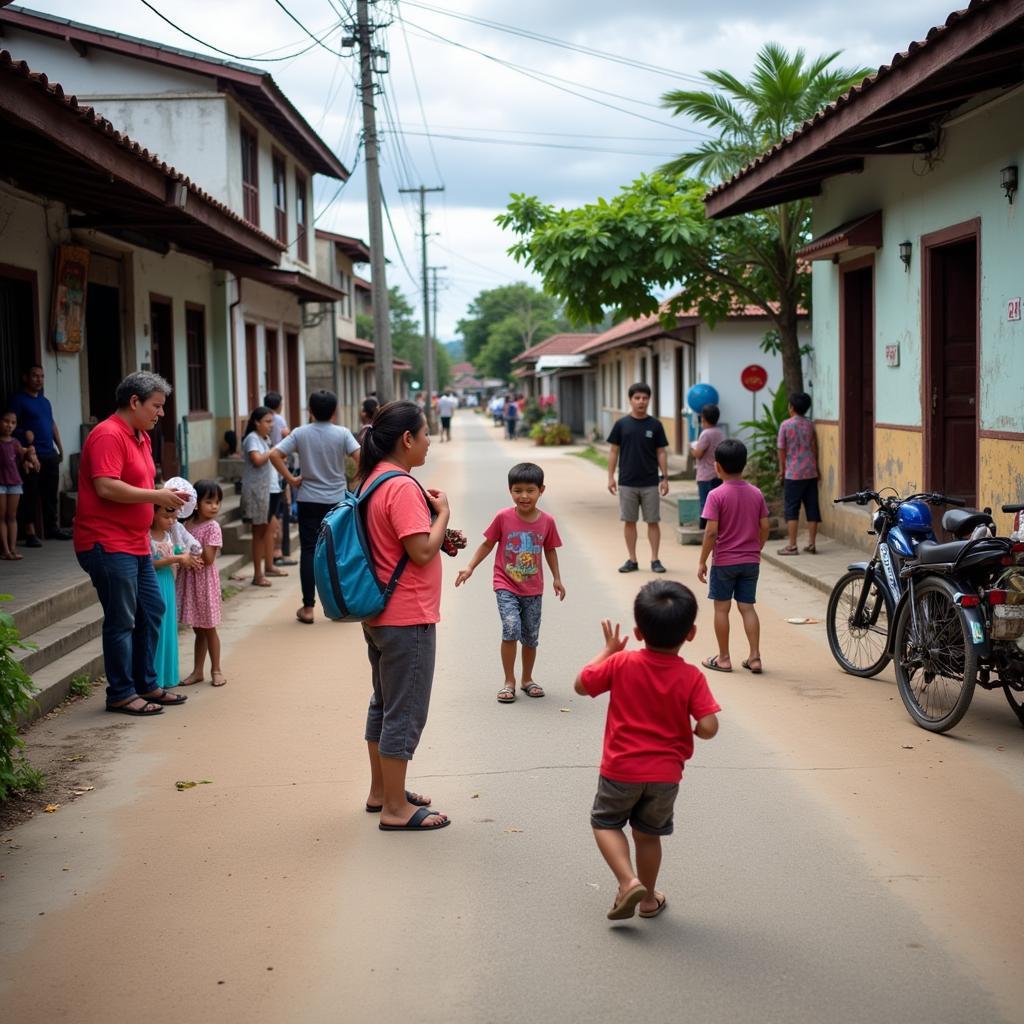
(490, 109)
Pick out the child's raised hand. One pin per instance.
(463, 577)
(613, 643)
(559, 589)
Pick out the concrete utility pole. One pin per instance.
(429, 381)
(433, 292)
(384, 371)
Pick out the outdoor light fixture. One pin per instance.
(1008, 181)
(906, 248)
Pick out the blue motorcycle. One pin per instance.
(863, 603)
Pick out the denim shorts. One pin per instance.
(739, 582)
(11, 489)
(520, 617)
(647, 806)
(634, 500)
(402, 668)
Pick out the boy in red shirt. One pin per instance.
(522, 533)
(648, 738)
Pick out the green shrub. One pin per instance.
(80, 686)
(15, 699)
(551, 433)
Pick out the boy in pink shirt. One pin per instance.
(521, 533)
(737, 528)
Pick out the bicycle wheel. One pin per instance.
(858, 644)
(1015, 698)
(936, 665)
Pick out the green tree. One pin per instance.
(654, 235)
(521, 309)
(406, 338)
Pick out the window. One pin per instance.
(250, 176)
(280, 199)
(195, 345)
(301, 218)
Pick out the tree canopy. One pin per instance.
(654, 237)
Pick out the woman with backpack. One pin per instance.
(401, 519)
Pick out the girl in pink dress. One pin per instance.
(198, 590)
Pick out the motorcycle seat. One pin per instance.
(930, 553)
(960, 521)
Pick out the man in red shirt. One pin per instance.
(653, 695)
(111, 537)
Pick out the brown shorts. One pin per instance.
(647, 806)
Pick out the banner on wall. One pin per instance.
(67, 313)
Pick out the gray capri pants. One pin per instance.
(633, 500)
(402, 665)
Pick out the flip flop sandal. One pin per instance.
(262, 583)
(506, 695)
(305, 622)
(190, 682)
(662, 904)
(151, 708)
(788, 551)
(757, 671)
(712, 663)
(414, 824)
(811, 549)
(533, 690)
(215, 677)
(168, 700)
(413, 798)
(626, 906)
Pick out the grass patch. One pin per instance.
(80, 686)
(228, 592)
(591, 454)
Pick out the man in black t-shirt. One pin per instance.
(639, 448)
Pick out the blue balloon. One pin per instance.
(700, 395)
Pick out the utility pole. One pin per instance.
(428, 342)
(433, 292)
(384, 371)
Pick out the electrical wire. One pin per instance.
(537, 78)
(544, 145)
(561, 43)
(419, 100)
(316, 40)
(235, 56)
(398, 248)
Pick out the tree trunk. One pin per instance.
(792, 366)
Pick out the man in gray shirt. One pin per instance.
(322, 447)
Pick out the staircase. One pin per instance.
(64, 619)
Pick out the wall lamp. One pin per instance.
(1008, 181)
(906, 248)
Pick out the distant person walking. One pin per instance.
(111, 537)
(446, 406)
(511, 417)
(639, 449)
(322, 447)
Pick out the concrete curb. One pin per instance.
(790, 566)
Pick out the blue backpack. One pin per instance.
(343, 562)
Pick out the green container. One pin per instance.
(689, 510)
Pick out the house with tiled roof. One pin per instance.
(917, 377)
(224, 326)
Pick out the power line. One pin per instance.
(316, 40)
(538, 78)
(543, 145)
(419, 100)
(561, 43)
(555, 135)
(398, 247)
(235, 56)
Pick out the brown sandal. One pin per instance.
(787, 550)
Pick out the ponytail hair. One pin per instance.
(390, 422)
(254, 417)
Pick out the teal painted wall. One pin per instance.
(918, 197)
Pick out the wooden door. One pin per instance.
(858, 345)
(273, 368)
(952, 379)
(165, 446)
(252, 370)
(293, 411)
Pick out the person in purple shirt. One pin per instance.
(35, 415)
(737, 528)
(798, 469)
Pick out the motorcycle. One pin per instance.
(863, 602)
(960, 621)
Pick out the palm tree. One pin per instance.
(783, 91)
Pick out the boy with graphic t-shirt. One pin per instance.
(654, 696)
(521, 533)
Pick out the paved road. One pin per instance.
(831, 862)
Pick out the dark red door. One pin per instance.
(858, 426)
(953, 380)
(252, 370)
(165, 448)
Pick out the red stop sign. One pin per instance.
(754, 377)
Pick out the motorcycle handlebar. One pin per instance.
(1013, 508)
(861, 498)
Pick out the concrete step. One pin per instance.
(238, 537)
(66, 599)
(53, 681)
(54, 641)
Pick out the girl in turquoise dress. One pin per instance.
(172, 552)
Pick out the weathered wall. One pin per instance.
(1001, 476)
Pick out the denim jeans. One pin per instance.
(311, 515)
(132, 611)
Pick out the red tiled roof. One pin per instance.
(962, 32)
(18, 69)
(565, 344)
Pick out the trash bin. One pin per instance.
(689, 510)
